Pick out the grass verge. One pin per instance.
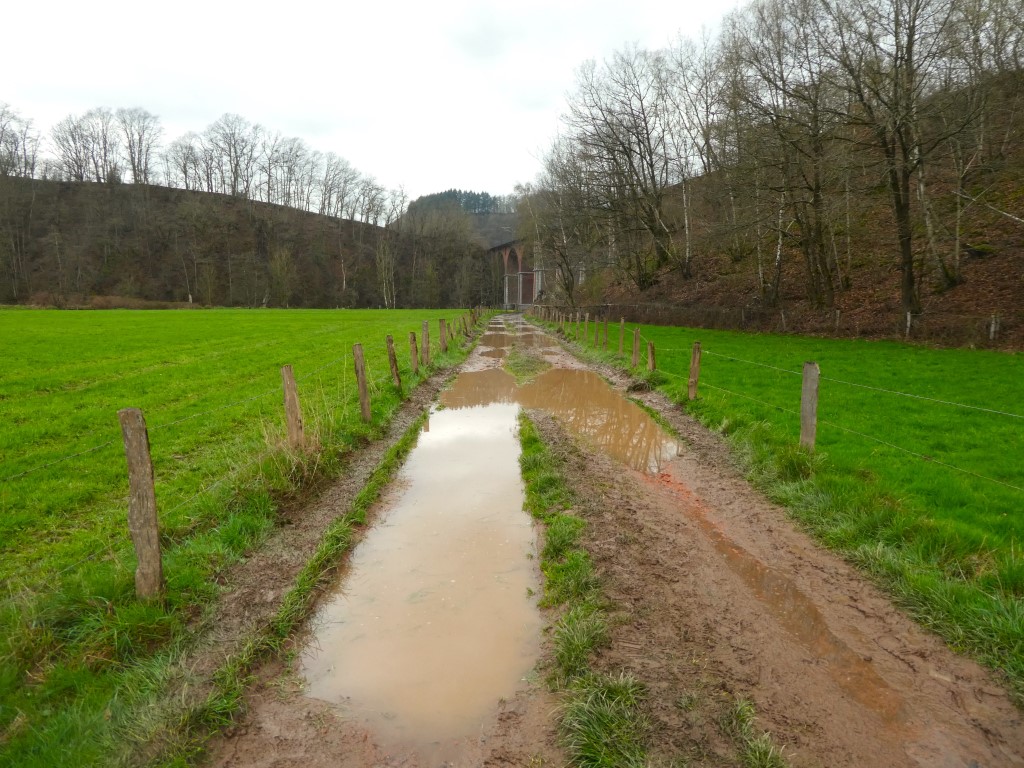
(602, 721)
(80, 657)
(195, 725)
(880, 489)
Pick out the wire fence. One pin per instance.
(705, 384)
(1000, 328)
(377, 383)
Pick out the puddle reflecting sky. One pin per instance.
(434, 623)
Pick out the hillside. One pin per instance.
(725, 292)
(88, 244)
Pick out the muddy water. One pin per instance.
(435, 623)
(583, 402)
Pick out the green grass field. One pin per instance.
(926, 496)
(73, 640)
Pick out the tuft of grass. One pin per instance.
(755, 751)
(523, 365)
(737, 721)
(603, 722)
(562, 534)
(569, 580)
(578, 634)
(762, 752)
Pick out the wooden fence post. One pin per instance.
(425, 344)
(443, 335)
(650, 356)
(393, 361)
(414, 355)
(622, 334)
(292, 411)
(364, 395)
(691, 385)
(636, 347)
(586, 326)
(606, 333)
(809, 406)
(142, 520)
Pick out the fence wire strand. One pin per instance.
(260, 396)
(61, 460)
(922, 456)
(924, 397)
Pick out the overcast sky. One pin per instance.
(427, 95)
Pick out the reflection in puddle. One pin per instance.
(798, 615)
(583, 402)
(433, 625)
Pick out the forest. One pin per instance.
(235, 216)
(831, 153)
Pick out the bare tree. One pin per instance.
(234, 143)
(19, 144)
(141, 131)
(888, 51)
(619, 118)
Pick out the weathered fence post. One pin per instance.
(292, 411)
(142, 521)
(650, 356)
(691, 384)
(622, 334)
(414, 356)
(393, 361)
(606, 333)
(993, 329)
(425, 344)
(586, 327)
(636, 347)
(443, 334)
(910, 321)
(364, 395)
(809, 406)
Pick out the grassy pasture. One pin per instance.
(927, 496)
(73, 640)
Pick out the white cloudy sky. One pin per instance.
(428, 95)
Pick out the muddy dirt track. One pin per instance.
(715, 595)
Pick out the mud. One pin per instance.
(716, 596)
(433, 623)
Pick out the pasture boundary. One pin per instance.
(569, 324)
(143, 517)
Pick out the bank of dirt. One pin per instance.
(716, 597)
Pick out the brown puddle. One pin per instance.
(583, 402)
(798, 615)
(434, 623)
